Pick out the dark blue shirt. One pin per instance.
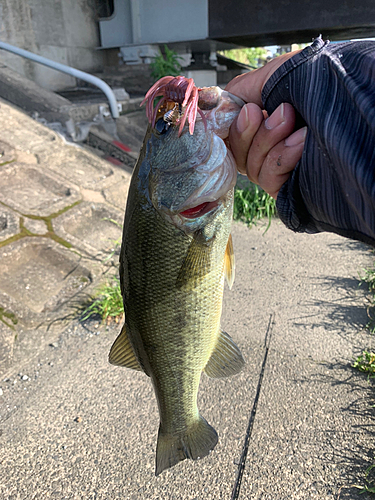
(332, 188)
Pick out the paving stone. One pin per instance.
(41, 180)
(30, 134)
(39, 275)
(80, 167)
(93, 227)
(26, 157)
(9, 223)
(117, 193)
(7, 153)
(35, 226)
(31, 190)
(92, 196)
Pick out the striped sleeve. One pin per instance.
(332, 88)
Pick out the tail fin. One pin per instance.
(196, 442)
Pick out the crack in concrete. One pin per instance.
(245, 448)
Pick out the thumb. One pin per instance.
(242, 132)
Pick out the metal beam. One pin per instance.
(271, 22)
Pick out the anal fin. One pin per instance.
(226, 359)
(122, 353)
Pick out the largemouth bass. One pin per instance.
(176, 252)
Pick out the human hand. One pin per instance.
(264, 147)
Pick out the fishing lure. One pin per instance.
(177, 89)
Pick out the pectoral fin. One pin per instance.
(226, 359)
(229, 263)
(122, 353)
(198, 260)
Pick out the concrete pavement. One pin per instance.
(61, 210)
(74, 427)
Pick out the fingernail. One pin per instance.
(296, 138)
(277, 118)
(242, 120)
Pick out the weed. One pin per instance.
(8, 318)
(107, 303)
(370, 487)
(252, 204)
(165, 65)
(366, 363)
(369, 278)
(367, 488)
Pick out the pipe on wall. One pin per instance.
(76, 73)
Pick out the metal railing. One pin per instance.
(70, 71)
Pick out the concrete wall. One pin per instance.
(65, 31)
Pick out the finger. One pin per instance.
(248, 86)
(276, 128)
(280, 161)
(242, 132)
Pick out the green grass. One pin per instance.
(252, 204)
(366, 363)
(107, 303)
(369, 279)
(370, 487)
(370, 480)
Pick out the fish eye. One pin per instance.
(161, 126)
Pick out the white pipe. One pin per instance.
(70, 71)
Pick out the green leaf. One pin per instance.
(165, 65)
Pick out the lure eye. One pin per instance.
(162, 126)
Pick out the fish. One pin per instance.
(175, 254)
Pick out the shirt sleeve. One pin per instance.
(332, 188)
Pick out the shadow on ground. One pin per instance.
(343, 315)
(354, 461)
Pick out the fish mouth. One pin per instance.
(199, 210)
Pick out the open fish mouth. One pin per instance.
(199, 210)
(191, 168)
